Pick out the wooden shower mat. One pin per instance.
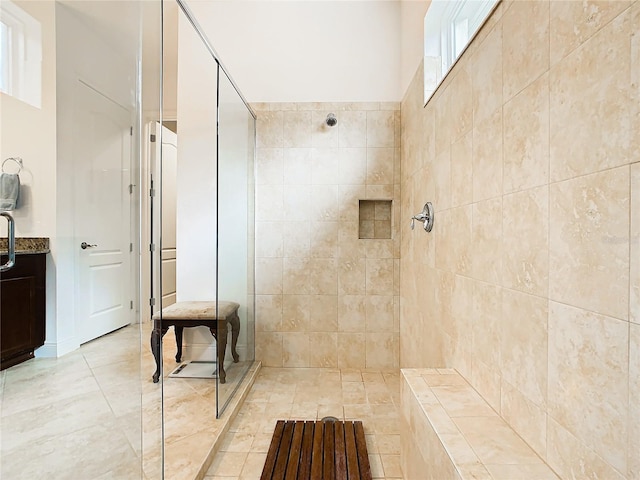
(323, 450)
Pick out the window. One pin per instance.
(449, 26)
(20, 54)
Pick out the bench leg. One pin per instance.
(220, 334)
(235, 331)
(156, 338)
(178, 331)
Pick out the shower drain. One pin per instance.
(329, 419)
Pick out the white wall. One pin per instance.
(30, 133)
(196, 183)
(93, 55)
(307, 51)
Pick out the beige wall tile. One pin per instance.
(269, 130)
(296, 276)
(380, 128)
(323, 315)
(462, 101)
(487, 315)
(525, 49)
(297, 129)
(525, 253)
(352, 313)
(525, 417)
(296, 313)
(271, 235)
(268, 276)
(442, 177)
(486, 75)
(295, 350)
(442, 120)
(311, 178)
(523, 344)
(379, 313)
(324, 203)
(351, 350)
(352, 276)
(486, 256)
(297, 203)
(323, 276)
(323, 350)
(526, 137)
(324, 165)
(381, 350)
(588, 379)
(634, 290)
(571, 459)
(269, 348)
(487, 381)
(572, 23)
(296, 239)
(592, 106)
(380, 166)
(588, 251)
(269, 203)
(296, 166)
(453, 230)
(352, 129)
(269, 168)
(379, 276)
(634, 402)
(352, 166)
(324, 241)
(487, 157)
(461, 171)
(268, 313)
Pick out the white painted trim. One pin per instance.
(57, 349)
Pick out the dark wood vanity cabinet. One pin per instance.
(22, 308)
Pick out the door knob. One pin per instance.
(85, 245)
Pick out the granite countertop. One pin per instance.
(27, 245)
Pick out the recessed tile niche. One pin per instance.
(375, 219)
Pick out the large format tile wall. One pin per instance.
(326, 298)
(529, 283)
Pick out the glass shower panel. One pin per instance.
(74, 411)
(235, 268)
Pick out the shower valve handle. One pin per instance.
(426, 217)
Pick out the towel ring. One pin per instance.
(17, 160)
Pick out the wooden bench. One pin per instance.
(213, 315)
(328, 450)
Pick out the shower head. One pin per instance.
(331, 120)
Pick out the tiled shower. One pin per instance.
(327, 292)
(529, 153)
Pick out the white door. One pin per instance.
(169, 184)
(102, 162)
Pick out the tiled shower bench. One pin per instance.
(448, 431)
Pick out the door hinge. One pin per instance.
(153, 137)
(131, 185)
(131, 305)
(131, 247)
(131, 131)
(152, 247)
(152, 192)
(152, 301)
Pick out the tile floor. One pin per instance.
(95, 413)
(311, 394)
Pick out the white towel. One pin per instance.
(9, 191)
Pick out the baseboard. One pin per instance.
(57, 349)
